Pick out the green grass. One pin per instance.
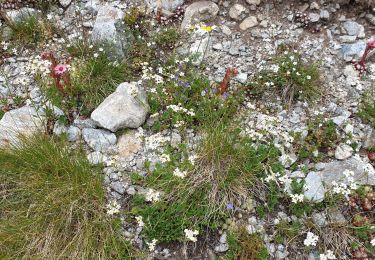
(53, 205)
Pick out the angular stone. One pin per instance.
(96, 158)
(249, 22)
(65, 3)
(127, 107)
(364, 173)
(109, 30)
(18, 123)
(98, 139)
(352, 28)
(236, 11)
(343, 151)
(352, 51)
(198, 12)
(314, 187)
(129, 144)
(253, 2)
(169, 5)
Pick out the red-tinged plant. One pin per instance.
(361, 64)
(59, 72)
(229, 74)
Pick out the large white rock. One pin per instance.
(127, 107)
(198, 12)
(18, 123)
(343, 151)
(109, 30)
(314, 187)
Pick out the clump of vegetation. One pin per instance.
(31, 29)
(167, 37)
(290, 77)
(322, 137)
(53, 205)
(243, 245)
(367, 108)
(196, 196)
(97, 77)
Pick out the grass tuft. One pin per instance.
(53, 205)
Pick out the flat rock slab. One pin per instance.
(127, 107)
(18, 123)
(364, 173)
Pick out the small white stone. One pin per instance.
(343, 151)
(249, 22)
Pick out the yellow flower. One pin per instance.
(207, 28)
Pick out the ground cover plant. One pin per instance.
(53, 204)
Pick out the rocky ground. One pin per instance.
(245, 35)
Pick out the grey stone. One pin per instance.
(74, 133)
(369, 139)
(236, 11)
(21, 122)
(21, 14)
(118, 186)
(99, 139)
(59, 129)
(364, 174)
(198, 12)
(314, 187)
(248, 23)
(223, 245)
(96, 158)
(242, 77)
(336, 217)
(343, 151)
(109, 30)
(352, 28)
(127, 107)
(253, 2)
(65, 3)
(324, 14)
(347, 38)
(319, 218)
(169, 5)
(314, 17)
(352, 51)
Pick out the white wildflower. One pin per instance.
(151, 245)
(178, 173)
(328, 255)
(311, 239)
(296, 198)
(165, 158)
(191, 235)
(152, 195)
(139, 220)
(113, 207)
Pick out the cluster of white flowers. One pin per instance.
(179, 124)
(165, 158)
(327, 256)
(113, 207)
(296, 198)
(4, 45)
(372, 242)
(154, 141)
(151, 245)
(38, 66)
(311, 239)
(148, 74)
(263, 127)
(192, 158)
(179, 108)
(191, 234)
(343, 188)
(178, 173)
(139, 220)
(371, 70)
(152, 195)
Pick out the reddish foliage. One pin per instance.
(229, 74)
(361, 64)
(59, 72)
